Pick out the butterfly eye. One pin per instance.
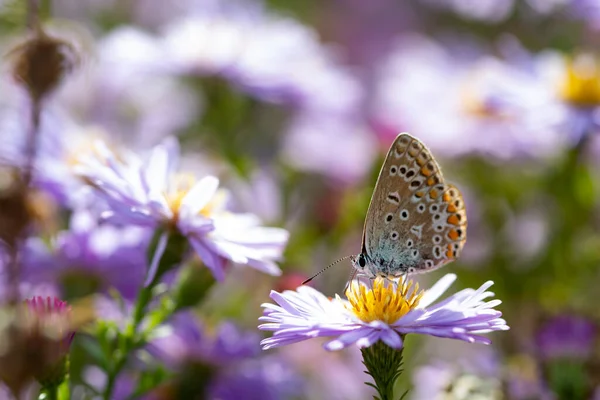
(361, 261)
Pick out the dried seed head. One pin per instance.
(41, 62)
(15, 213)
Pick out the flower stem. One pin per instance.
(166, 250)
(384, 364)
(52, 393)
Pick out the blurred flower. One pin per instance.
(481, 104)
(270, 57)
(127, 88)
(566, 336)
(444, 380)
(324, 371)
(96, 378)
(89, 257)
(385, 312)
(586, 10)
(338, 146)
(151, 194)
(36, 340)
(52, 316)
(188, 342)
(230, 358)
(524, 380)
(560, 93)
(492, 11)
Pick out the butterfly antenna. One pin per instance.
(325, 269)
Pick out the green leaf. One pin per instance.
(93, 348)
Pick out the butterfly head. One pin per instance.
(361, 263)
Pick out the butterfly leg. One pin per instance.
(352, 276)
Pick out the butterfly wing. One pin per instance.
(415, 221)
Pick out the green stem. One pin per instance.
(384, 364)
(143, 298)
(165, 257)
(52, 393)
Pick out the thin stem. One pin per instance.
(131, 341)
(32, 141)
(32, 17)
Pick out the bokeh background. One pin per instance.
(293, 105)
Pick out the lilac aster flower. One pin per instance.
(567, 336)
(270, 57)
(232, 354)
(385, 312)
(97, 256)
(481, 103)
(187, 341)
(484, 10)
(149, 193)
(339, 146)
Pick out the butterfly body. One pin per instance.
(416, 222)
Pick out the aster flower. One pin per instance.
(567, 336)
(227, 358)
(89, 256)
(270, 57)
(384, 313)
(377, 316)
(151, 194)
(468, 377)
(42, 326)
(482, 103)
(558, 94)
(491, 11)
(311, 137)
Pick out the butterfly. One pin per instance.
(416, 222)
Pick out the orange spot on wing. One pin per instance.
(425, 171)
(412, 151)
(419, 193)
(433, 193)
(446, 197)
(453, 234)
(451, 208)
(453, 220)
(449, 251)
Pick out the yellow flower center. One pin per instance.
(385, 301)
(84, 147)
(179, 188)
(181, 184)
(581, 84)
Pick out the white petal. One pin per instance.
(200, 195)
(437, 290)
